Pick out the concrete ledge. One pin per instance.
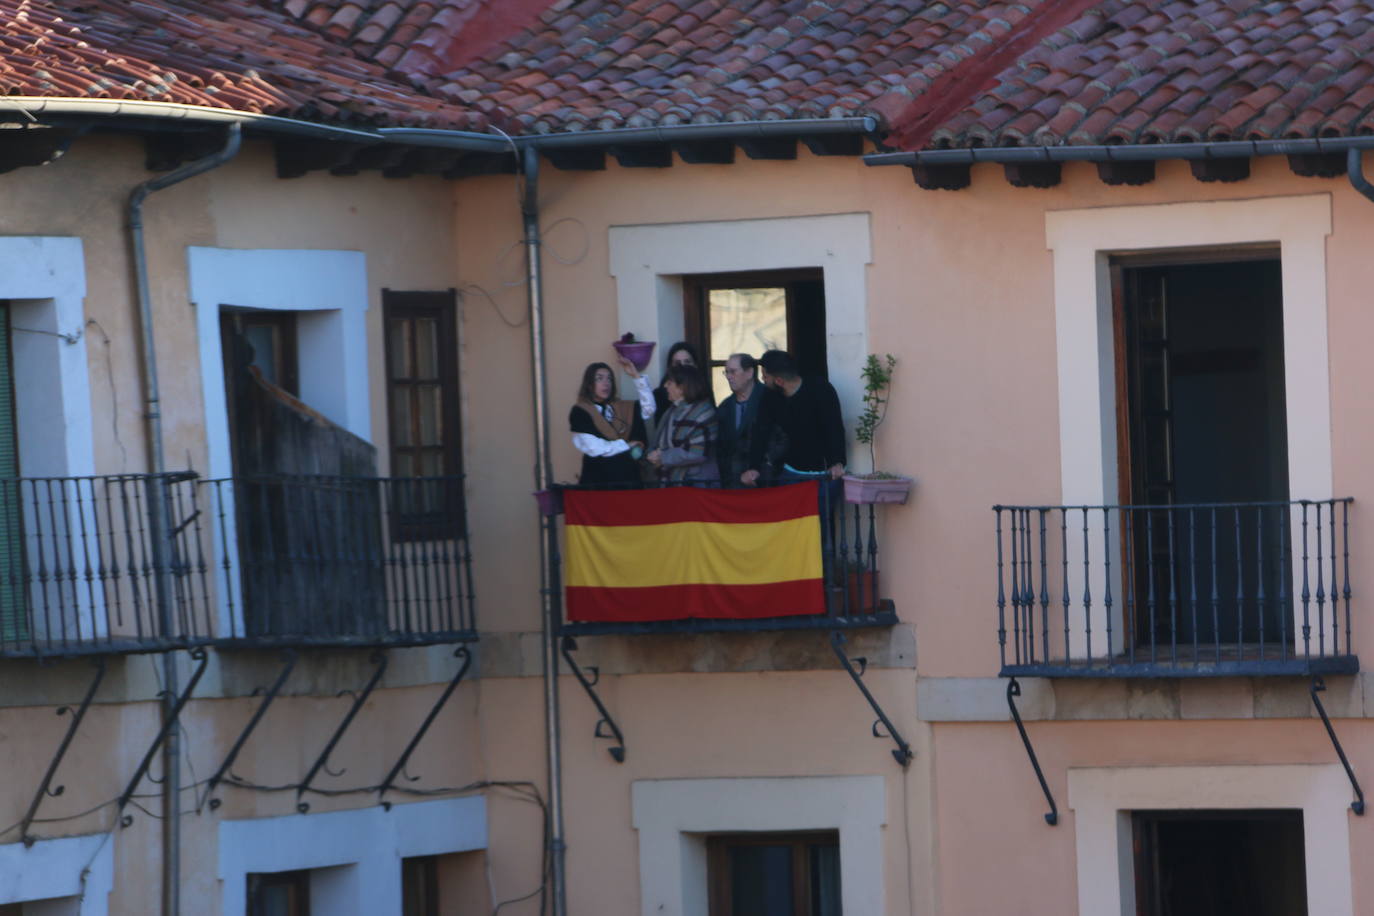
(517, 654)
(955, 699)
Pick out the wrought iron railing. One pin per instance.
(850, 564)
(1184, 590)
(141, 563)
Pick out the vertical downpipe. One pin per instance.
(158, 512)
(548, 543)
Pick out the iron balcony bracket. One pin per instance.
(170, 722)
(1014, 691)
(460, 653)
(902, 753)
(605, 722)
(77, 716)
(1319, 685)
(380, 660)
(289, 657)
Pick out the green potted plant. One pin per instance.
(876, 486)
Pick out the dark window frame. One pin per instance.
(298, 881)
(1145, 852)
(719, 879)
(420, 886)
(402, 305)
(697, 314)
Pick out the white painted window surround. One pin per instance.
(354, 856)
(649, 262)
(1082, 241)
(1102, 800)
(71, 876)
(44, 278)
(328, 290)
(674, 817)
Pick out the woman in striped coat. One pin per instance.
(685, 442)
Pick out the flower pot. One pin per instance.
(869, 490)
(638, 352)
(550, 501)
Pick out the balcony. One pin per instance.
(1207, 590)
(147, 563)
(800, 566)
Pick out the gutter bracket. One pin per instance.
(902, 753)
(168, 724)
(1319, 685)
(270, 694)
(1014, 691)
(461, 653)
(605, 722)
(377, 658)
(77, 716)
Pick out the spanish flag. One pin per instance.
(684, 552)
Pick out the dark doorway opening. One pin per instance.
(1202, 421)
(1219, 863)
(774, 874)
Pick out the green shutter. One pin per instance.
(13, 620)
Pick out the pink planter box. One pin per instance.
(866, 490)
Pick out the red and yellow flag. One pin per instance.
(681, 552)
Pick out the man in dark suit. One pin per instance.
(746, 420)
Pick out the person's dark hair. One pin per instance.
(588, 390)
(682, 345)
(746, 362)
(691, 380)
(779, 363)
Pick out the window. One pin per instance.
(1198, 863)
(754, 312)
(420, 886)
(774, 874)
(422, 400)
(283, 893)
(271, 337)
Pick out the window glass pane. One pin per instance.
(426, 348)
(401, 422)
(825, 880)
(431, 424)
(761, 880)
(745, 321)
(265, 339)
(403, 465)
(398, 338)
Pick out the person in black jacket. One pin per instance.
(679, 354)
(809, 416)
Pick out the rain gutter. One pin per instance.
(687, 133)
(1138, 152)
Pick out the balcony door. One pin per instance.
(1202, 422)
(14, 622)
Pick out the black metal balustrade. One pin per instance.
(145, 563)
(850, 556)
(1175, 591)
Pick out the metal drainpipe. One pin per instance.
(1354, 170)
(548, 543)
(159, 521)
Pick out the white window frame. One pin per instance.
(1103, 798)
(44, 277)
(675, 816)
(650, 261)
(70, 876)
(328, 291)
(354, 856)
(1082, 242)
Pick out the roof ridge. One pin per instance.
(956, 87)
